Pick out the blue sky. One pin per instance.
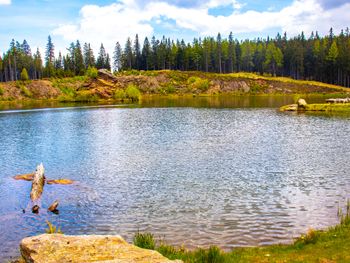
(110, 21)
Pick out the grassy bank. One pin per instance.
(166, 83)
(331, 245)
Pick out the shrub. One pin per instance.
(144, 240)
(119, 94)
(133, 93)
(196, 83)
(91, 72)
(24, 90)
(68, 91)
(2, 91)
(24, 75)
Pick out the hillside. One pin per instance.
(108, 86)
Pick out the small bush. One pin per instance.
(192, 80)
(133, 93)
(92, 72)
(170, 89)
(68, 91)
(119, 94)
(24, 90)
(196, 83)
(24, 75)
(144, 240)
(52, 229)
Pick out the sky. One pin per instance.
(109, 21)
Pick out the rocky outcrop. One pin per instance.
(106, 75)
(93, 248)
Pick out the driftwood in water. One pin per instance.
(38, 183)
(60, 181)
(30, 177)
(53, 207)
(25, 177)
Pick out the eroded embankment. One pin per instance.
(108, 87)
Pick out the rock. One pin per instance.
(301, 103)
(245, 87)
(91, 248)
(35, 209)
(53, 206)
(106, 75)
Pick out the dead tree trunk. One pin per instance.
(38, 183)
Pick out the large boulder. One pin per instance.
(106, 75)
(301, 103)
(91, 248)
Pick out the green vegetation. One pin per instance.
(92, 72)
(52, 229)
(119, 94)
(198, 84)
(338, 107)
(2, 90)
(144, 240)
(24, 75)
(319, 107)
(86, 96)
(24, 90)
(133, 93)
(331, 245)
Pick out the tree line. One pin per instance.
(325, 59)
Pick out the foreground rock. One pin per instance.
(62, 248)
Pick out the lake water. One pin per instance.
(216, 173)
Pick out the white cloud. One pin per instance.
(118, 21)
(5, 2)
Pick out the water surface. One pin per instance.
(194, 176)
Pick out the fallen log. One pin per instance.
(25, 177)
(38, 183)
(60, 181)
(53, 206)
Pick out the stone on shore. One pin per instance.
(301, 103)
(90, 248)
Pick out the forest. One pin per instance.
(325, 59)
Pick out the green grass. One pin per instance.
(338, 107)
(331, 245)
(144, 240)
(52, 229)
(86, 96)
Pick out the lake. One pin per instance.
(196, 172)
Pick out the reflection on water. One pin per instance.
(193, 176)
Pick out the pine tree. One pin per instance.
(24, 75)
(49, 57)
(79, 60)
(102, 57)
(137, 53)
(117, 57)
